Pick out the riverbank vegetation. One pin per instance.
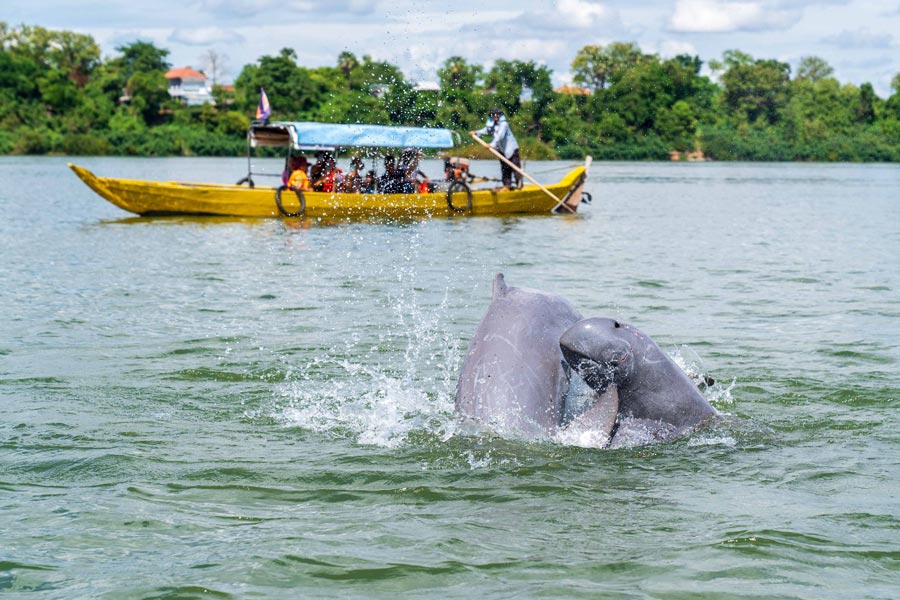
(58, 95)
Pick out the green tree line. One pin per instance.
(59, 95)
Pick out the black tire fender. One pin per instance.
(456, 187)
(297, 213)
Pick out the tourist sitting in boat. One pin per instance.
(369, 183)
(317, 169)
(299, 180)
(353, 179)
(413, 180)
(391, 181)
(327, 177)
(456, 168)
(290, 163)
(504, 142)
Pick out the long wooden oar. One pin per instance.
(523, 174)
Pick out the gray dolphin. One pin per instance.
(650, 386)
(514, 379)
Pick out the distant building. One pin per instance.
(379, 90)
(427, 86)
(189, 86)
(573, 91)
(228, 99)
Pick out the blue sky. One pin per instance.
(859, 38)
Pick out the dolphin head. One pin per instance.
(600, 351)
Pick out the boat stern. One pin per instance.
(574, 183)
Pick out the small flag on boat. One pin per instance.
(263, 109)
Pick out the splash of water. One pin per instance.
(383, 397)
(370, 406)
(718, 394)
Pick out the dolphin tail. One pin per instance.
(500, 286)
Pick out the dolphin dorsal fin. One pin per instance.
(500, 287)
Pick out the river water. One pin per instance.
(227, 408)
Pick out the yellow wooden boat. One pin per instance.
(149, 198)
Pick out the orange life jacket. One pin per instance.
(299, 180)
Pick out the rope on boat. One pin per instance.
(553, 170)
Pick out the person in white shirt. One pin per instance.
(504, 142)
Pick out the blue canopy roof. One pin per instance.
(325, 135)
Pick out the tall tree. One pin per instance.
(370, 73)
(755, 89)
(597, 66)
(62, 62)
(347, 61)
(591, 67)
(865, 113)
(814, 69)
(292, 91)
(214, 63)
(75, 54)
(141, 57)
(142, 68)
(460, 104)
(457, 74)
(892, 106)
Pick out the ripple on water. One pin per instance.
(179, 592)
(273, 416)
(20, 577)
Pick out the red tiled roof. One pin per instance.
(184, 73)
(572, 90)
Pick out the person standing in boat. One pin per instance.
(504, 142)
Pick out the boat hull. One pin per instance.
(149, 198)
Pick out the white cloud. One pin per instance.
(109, 39)
(670, 48)
(570, 15)
(205, 36)
(803, 4)
(243, 9)
(359, 7)
(861, 38)
(234, 8)
(722, 16)
(870, 63)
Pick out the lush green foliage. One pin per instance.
(58, 96)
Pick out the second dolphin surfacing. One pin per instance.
(514, 379)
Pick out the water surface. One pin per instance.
(263, 408)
